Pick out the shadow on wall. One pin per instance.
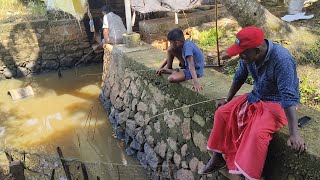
(20, 50)
(42, 46)
(21, 53)
(34, 47)
(31, 47)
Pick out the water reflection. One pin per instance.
(64, 112)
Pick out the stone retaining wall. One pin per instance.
(139, 105)
(31, 47)
(166, 126)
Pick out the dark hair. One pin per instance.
(176, 35)
(105, 9)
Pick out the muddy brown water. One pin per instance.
(65, 112)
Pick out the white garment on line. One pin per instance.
(298, 16)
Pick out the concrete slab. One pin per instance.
(215, 84)
(143, 46)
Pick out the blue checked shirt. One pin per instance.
(275, 79)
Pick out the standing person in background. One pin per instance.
(113, 27)
(93, 22)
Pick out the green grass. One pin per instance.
(37, 8)
(310, 95)
(309, 91)
(207, 38)
(311, 55)
(22, 8)
(11, 7)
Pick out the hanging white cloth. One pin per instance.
(145, 6)
(298, 16)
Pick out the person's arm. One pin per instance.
(240, 77)
(167, 62)
(106, 35)
(295, 141)
(225, 56)
(188, 54)
(170, 58)
(287, 82)
(105, 30)
(164, 63)
(232, 91)
(196, 84)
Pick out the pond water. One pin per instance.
(64, 112)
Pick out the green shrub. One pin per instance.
(13, 8)
(311, 55)
(308, 91)
(207, 39)
(37, 8)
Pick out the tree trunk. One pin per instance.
(252, 13)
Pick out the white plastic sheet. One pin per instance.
(145, 6)
(298, 16)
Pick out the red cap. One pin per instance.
(248, 37)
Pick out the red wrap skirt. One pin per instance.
(242, 132)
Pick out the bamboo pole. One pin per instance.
(65, 166)
(84, 172)
(128, 15)
(217, 39)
